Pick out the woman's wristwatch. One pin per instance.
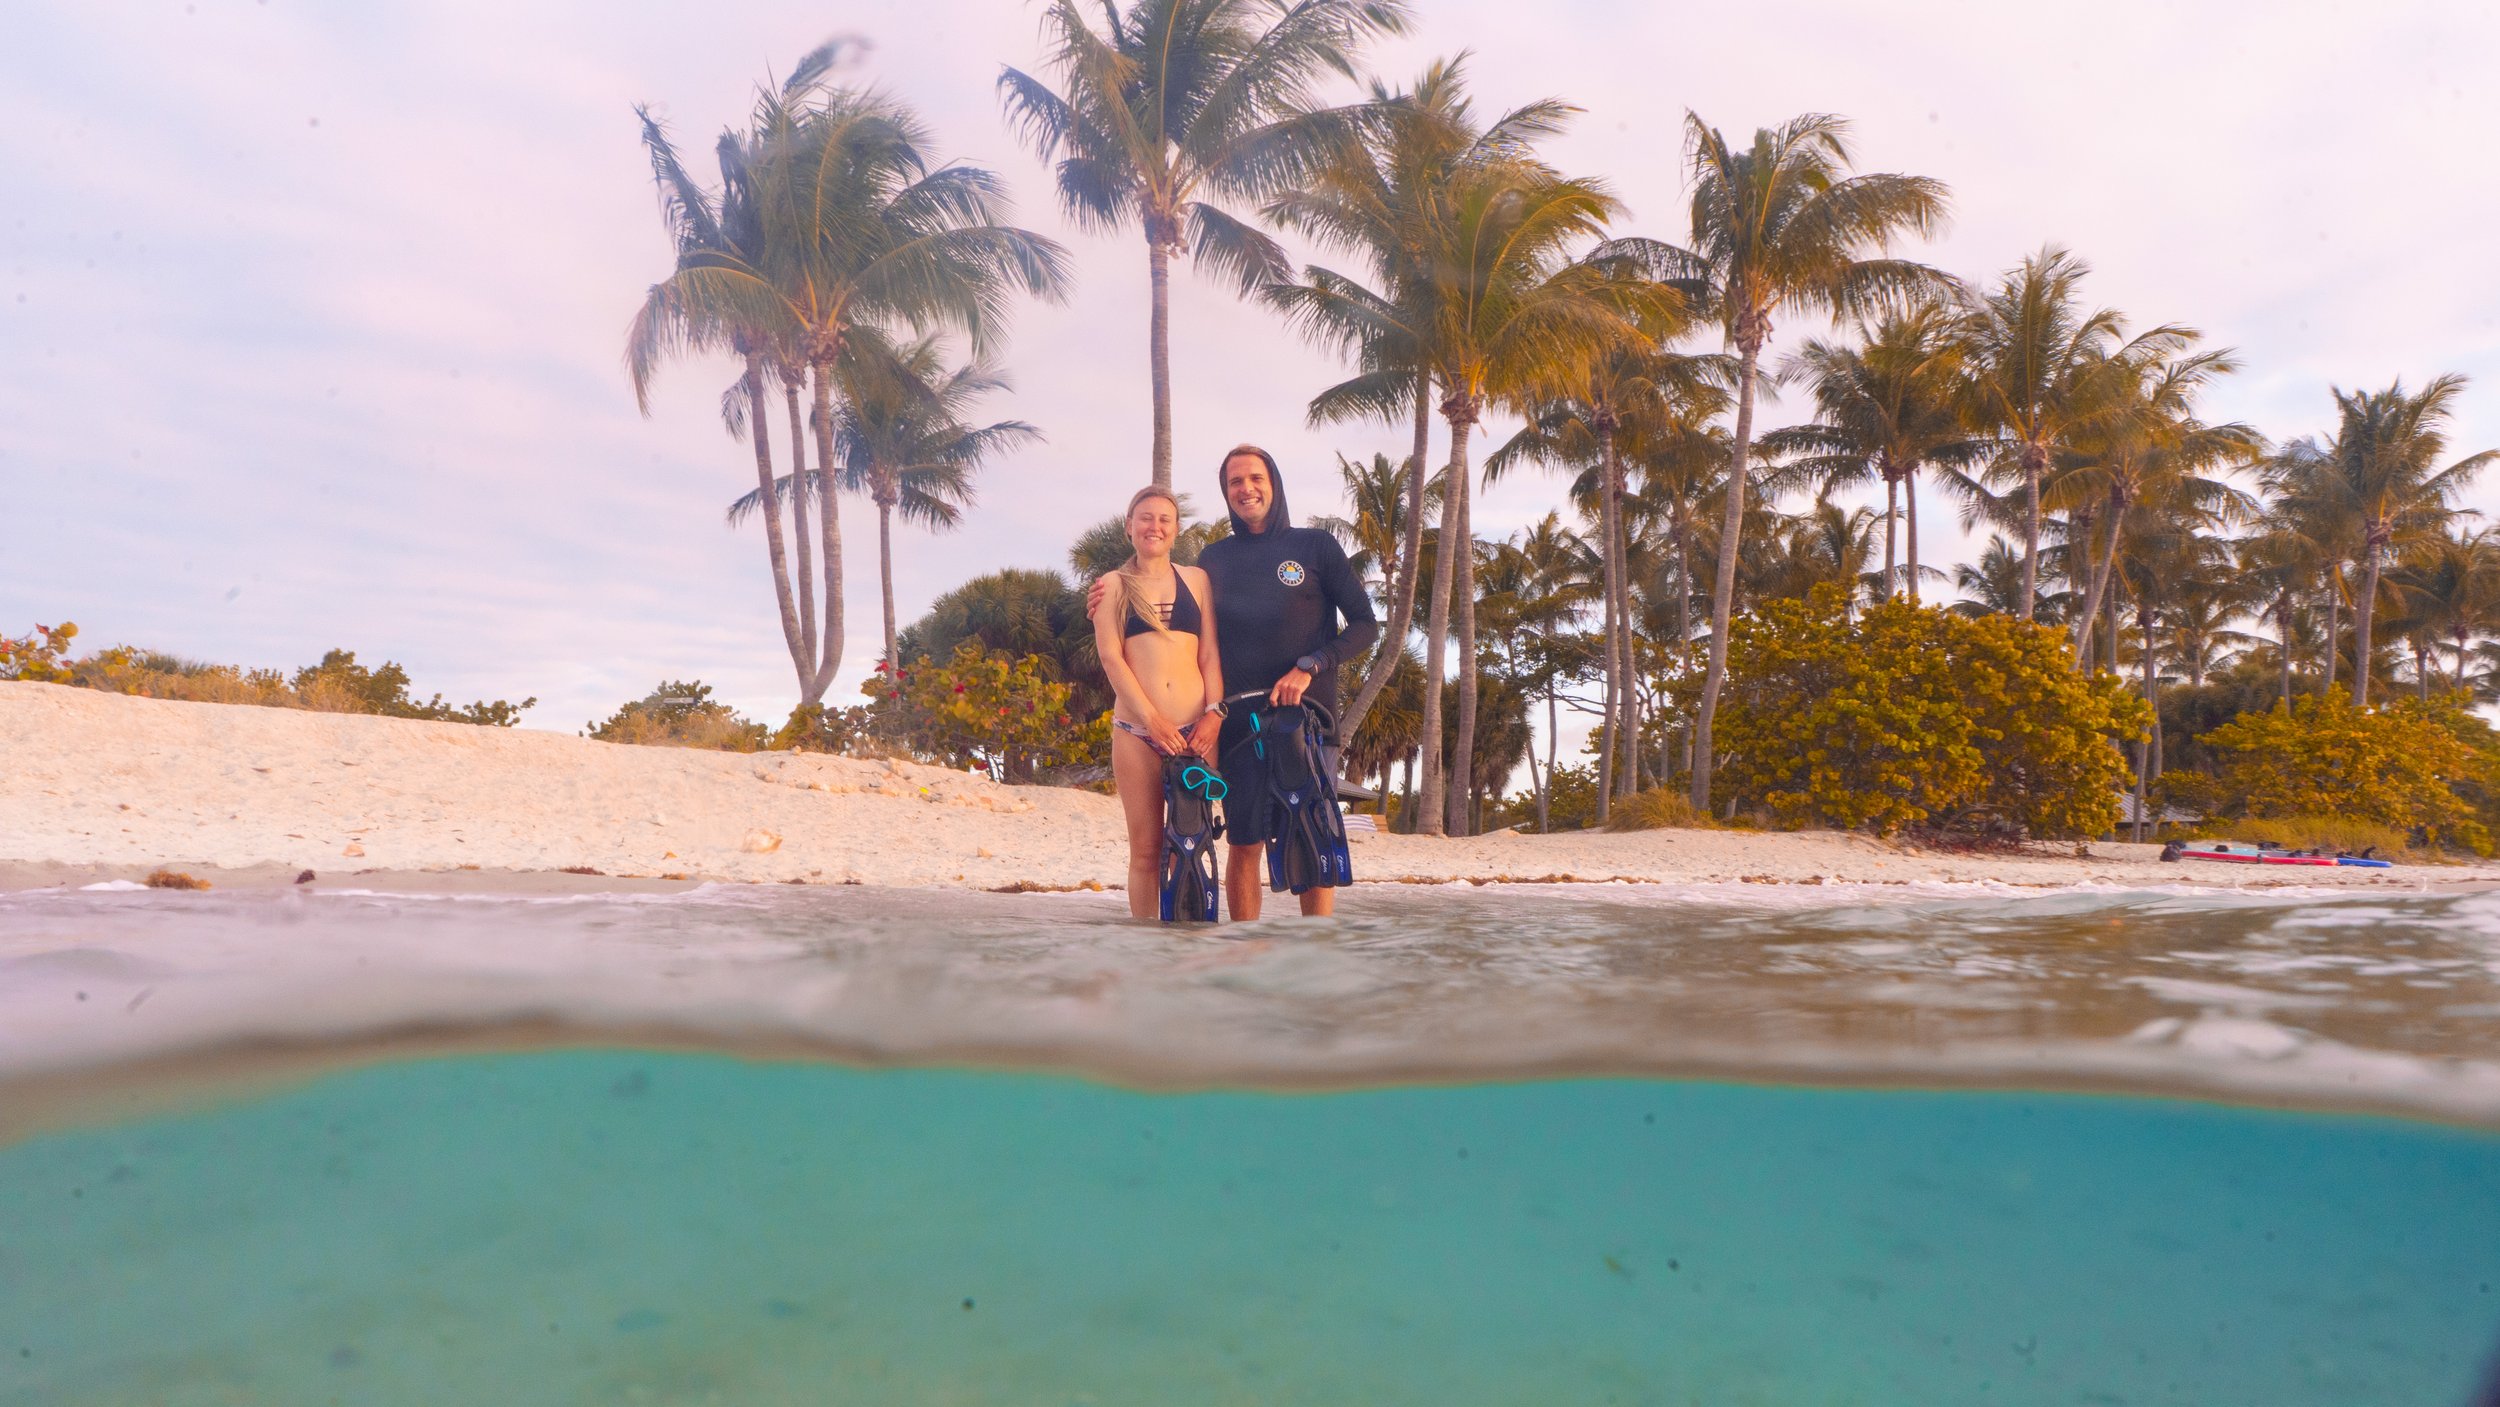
(1308, 664)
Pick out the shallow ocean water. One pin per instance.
(1471, 1148)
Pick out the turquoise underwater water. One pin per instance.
(628, 1227)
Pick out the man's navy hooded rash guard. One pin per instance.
(1278, 595)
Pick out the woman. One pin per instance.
(1155, 632)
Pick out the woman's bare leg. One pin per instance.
(1137, 771)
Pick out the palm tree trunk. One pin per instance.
(2283, 632)
(1628, 704)
(885, 570)
(1723, 593)
(2035, 460)
(2461, 638)
(2362, 612)
(2421, 672)
(1463, 748)
(1613, 668)
(1892, 533)
(1618, 744)
(2109, 626)
(2100, 583)
(1430, 797)
(799, 492)
(1909, 494)
(2152, 702)
(1684, 611)
(800, 650)
(1159, 348)
(1402, 590)
(2333, 631)
(1553, 745)
(829, 517)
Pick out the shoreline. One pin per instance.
(96, 788)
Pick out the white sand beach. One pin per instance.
(102, 786)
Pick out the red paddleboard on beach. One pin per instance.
(2251, 857)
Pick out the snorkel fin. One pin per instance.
(1306, 845)
(1190, 828)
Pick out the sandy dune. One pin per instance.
(106, 784)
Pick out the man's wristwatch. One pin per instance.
(1308, 664)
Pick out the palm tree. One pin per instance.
(704, 226)
(1535, 585)
(1177, 104)
(2148, 448)
(2452, 587)
(1993, 586)
(1375, 535)
(2279, 568)
(900, 438)
(854, 228)
(1631, 391)
(1779, 227)
(2041, 369)
(1515, 316)
(1889, 406)
(1378, 195)
(2381, 475)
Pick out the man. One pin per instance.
(1279, 590)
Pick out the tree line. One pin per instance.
(1459, 274)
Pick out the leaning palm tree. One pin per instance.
(1516, 315)
(2149, 449)
(900, 436)
(1377, 195)
(2381, 474)
(856, 228)
(1178, 104)
(1888, 406)
(1781, 227)
(707, 225)
(2041, 368)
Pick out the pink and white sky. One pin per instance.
(310, 313)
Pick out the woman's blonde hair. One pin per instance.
(1128, 583)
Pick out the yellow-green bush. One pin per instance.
(336, 685)
(1912, 715)
(2399, 767)
(680, 714)
(38, 657)
(1659, 808)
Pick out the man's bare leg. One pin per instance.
(1244, 883)
(1245, 886)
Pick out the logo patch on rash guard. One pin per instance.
(1290, 572)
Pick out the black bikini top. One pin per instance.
(1180, 614)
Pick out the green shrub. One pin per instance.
(680, 714)
(2397, 767)
(1912, 715)
(1006, 714)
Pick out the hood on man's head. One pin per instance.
(1276, 515)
